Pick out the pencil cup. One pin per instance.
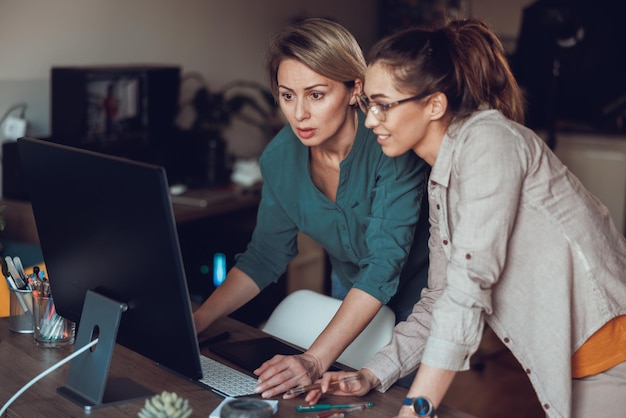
(51, 329)
(21, 311)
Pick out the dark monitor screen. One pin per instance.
(106, 224)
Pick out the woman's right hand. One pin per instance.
(365, 382)
(282, 373)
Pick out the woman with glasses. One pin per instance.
(515, 241)
(324, 175)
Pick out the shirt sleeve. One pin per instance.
(405, 351)
(273, 244)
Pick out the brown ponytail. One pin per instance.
(464, 60)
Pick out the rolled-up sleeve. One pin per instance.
(273, 244)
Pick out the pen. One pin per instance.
(14, 273)
(326, 406)
(333, 413)
(18, 295)
(307, 388)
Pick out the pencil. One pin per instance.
(307, 388)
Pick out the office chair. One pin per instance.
(303, 315)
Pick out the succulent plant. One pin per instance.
(166, 405)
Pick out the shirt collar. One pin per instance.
(440, 172)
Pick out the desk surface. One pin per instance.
(199, 204)
(205, 203)
(21, 360)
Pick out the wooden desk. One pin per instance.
(20, 221)
(21, 360)
(208, 203)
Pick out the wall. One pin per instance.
(503, 16)
(599, 162)
(222, 40)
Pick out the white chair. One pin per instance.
(303, 315)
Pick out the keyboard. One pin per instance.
(225, 380)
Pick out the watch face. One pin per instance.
(423, 407)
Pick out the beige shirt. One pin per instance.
(516, 242)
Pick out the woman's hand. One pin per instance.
(281, 373)
(332, 382)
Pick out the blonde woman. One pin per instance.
(324, 175)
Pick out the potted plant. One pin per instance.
(214, 111)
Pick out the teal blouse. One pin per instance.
(368, 232)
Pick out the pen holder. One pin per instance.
(51, 329)
(21, 311)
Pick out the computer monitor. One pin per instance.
(123, 110)
(106, 227)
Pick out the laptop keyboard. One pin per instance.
(226, 380)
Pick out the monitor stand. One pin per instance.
(88, 384)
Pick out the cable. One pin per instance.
(11, 109)
(45, 373)
(6, 115)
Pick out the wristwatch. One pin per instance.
(422, 407)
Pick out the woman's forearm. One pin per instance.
(234, 292)
(430, 382)
(354, 314)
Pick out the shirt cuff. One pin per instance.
(385, 369)
(446, 355)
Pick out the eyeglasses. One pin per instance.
(379, 109)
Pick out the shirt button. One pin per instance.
(438, 207)
(546, 406)
(506, 340)
(432, 183)
(445, 242)
(527, 371)
(468, 256)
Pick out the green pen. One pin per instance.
(327, 406)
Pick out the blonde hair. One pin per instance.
(325, 46)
